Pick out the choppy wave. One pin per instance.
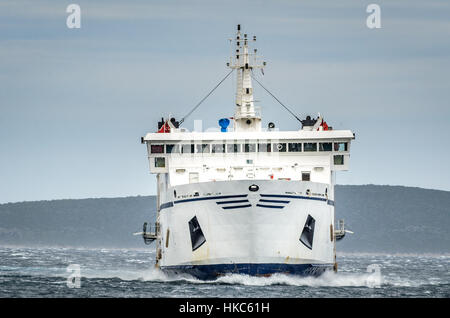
(127, 273)
(328, 279)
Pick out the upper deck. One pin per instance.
(253, 135)
(190, 157)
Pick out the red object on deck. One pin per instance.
(165, 128)
(324, 125)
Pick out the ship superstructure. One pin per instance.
(246, 199)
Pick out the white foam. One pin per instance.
(151, 275)
(328, 279)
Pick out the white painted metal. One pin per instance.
(247, 117)
(248, 235)
(261, 135)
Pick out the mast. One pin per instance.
(247, 117)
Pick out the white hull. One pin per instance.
(239, 228)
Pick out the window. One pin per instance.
(157, 148)
(173, 148)
(310, 146)
(187, 148)
(264, 147)
(234, 148)
(280, 147)
(325, 146)
(204, 148)
(339, 160)
(306, 176)
(249, 147)
(340, 146)
(217, 148)
(160, 162)
(295, 147)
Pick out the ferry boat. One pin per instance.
(246, 199)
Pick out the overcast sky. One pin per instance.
(75, 102)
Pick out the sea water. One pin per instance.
(83, 272)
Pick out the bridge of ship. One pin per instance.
(204, 157)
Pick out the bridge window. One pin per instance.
(233, 148)
(325, 146)
(217, 148)
(310, 146)
(264, 147)
(249, 147)
(187, 148)
(172, 148)
(280, 147)
(203, 148)
(160, 162)
(157, 148)
(340, 146)
(339, 160)
(295, 147)
(306, 176)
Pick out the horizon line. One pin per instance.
(150, 195)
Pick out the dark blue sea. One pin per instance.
(81, 272)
